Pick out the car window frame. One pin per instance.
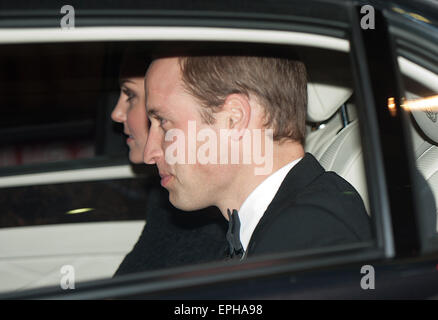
(414, 40)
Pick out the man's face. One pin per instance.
(191, 186)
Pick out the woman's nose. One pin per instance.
(119, 112)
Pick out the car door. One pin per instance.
(66, 185)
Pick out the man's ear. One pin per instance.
(237, 109)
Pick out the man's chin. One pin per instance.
(184, 204)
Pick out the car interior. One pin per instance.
(337, 143)
(30, 258)
(420, 82)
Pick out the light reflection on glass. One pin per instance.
(391, 107)
(425, 104)
(78, 211)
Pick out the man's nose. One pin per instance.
(153, 149)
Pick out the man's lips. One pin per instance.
(165, 178)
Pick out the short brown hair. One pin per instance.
(279, 84)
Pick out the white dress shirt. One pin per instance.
(255, 205)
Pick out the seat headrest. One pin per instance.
(324, 100)
(427, 120)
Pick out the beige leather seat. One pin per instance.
(336, 147)
(339, 148)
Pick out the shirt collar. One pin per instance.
(257, 202)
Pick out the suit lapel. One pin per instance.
(301, 175)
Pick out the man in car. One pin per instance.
(170, 238)
(212, 118)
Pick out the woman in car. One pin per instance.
(170, 237)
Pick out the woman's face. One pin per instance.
(130, 110)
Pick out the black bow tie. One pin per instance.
(233, 235)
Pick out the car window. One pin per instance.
(70, 104)
(65, 179)
(61, 114)
(420, 102)
(419, 79)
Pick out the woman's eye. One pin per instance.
(130, 97)
(129, 94)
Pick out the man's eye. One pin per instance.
(158, 122)
(162, 122)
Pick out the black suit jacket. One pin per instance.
(312, 208)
